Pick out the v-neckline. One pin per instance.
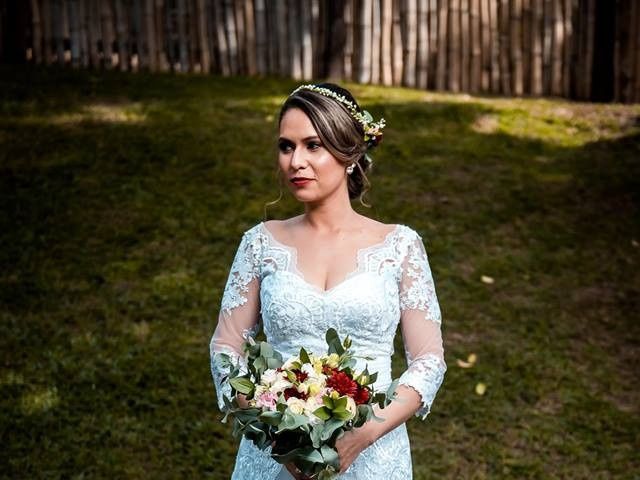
(359, 253)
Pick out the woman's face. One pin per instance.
(302, 155)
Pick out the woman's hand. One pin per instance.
(352, 442)
(295, 471)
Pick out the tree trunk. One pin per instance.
(170, 37)
(464, 45)
(150, 34)
(84, 41)
(74, 32)
(95, 32)
(409, 77)
(121, 35)
(193, 42)
(454, 45)
(271, 38)
(485, 33)
(385, 42)
(316, 43)
(349, 40)
(557, 45)
(203, 35)
(476, 47)
(433, 43)
(281, 28)
(635, 49)
(375, 43)
(250, 38)
(261, 38)
(505, 68)
(516, 46)
(47, 35)
(36, 25)
(566, 51)
(441, 73)
(161, 55)
(591, 23)
(495, 47)
(396, 41)
(238, 14)
(107, 33)
(526, 46)
(547, 47)
(364, 64)
(307, 43)
(293, 16)
(182, 36)
(58, 40)
(423, 45)
(536, 51)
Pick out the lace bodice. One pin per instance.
(392, 285)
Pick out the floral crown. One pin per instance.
(372, 130)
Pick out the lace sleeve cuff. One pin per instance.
(222, 363)
(425, 375)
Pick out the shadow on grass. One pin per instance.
(123, 197)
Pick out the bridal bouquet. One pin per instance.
(302, 405)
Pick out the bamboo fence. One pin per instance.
(578, 49)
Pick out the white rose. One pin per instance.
(352, 408)
(280, 386)
(269, 376)
(296, 405)
(289, 363)
(311, 405)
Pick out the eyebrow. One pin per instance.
(305, 139)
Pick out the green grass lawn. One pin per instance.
(122, 201)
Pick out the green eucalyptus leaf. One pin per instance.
(330, 427)
(266, 350)
(304, 356)
(242, 385)
(330, 456)
(271, 418)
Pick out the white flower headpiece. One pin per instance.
(372, 130)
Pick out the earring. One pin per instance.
(350, 168)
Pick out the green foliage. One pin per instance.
(123, 197)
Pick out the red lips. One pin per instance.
(300, 181)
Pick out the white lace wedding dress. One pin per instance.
(391, 284)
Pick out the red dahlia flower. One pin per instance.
(362, 396)
(343, 384)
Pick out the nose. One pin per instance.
(297, 159)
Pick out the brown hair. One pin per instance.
(340, 133)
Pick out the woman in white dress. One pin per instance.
(333, 267)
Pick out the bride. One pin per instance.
(333, 267)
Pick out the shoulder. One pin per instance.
(408, 233)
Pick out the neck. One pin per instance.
(331, 215)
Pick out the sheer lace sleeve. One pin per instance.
(239, 314)
(420, 323)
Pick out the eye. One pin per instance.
(284, 147)
(313, 145)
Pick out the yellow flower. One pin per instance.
(333, 360)
(314, 389)
(362, 379)
(334, 395)
(317, 365)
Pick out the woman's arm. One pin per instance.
(397, 412)
(420, 321)
(239, 315)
